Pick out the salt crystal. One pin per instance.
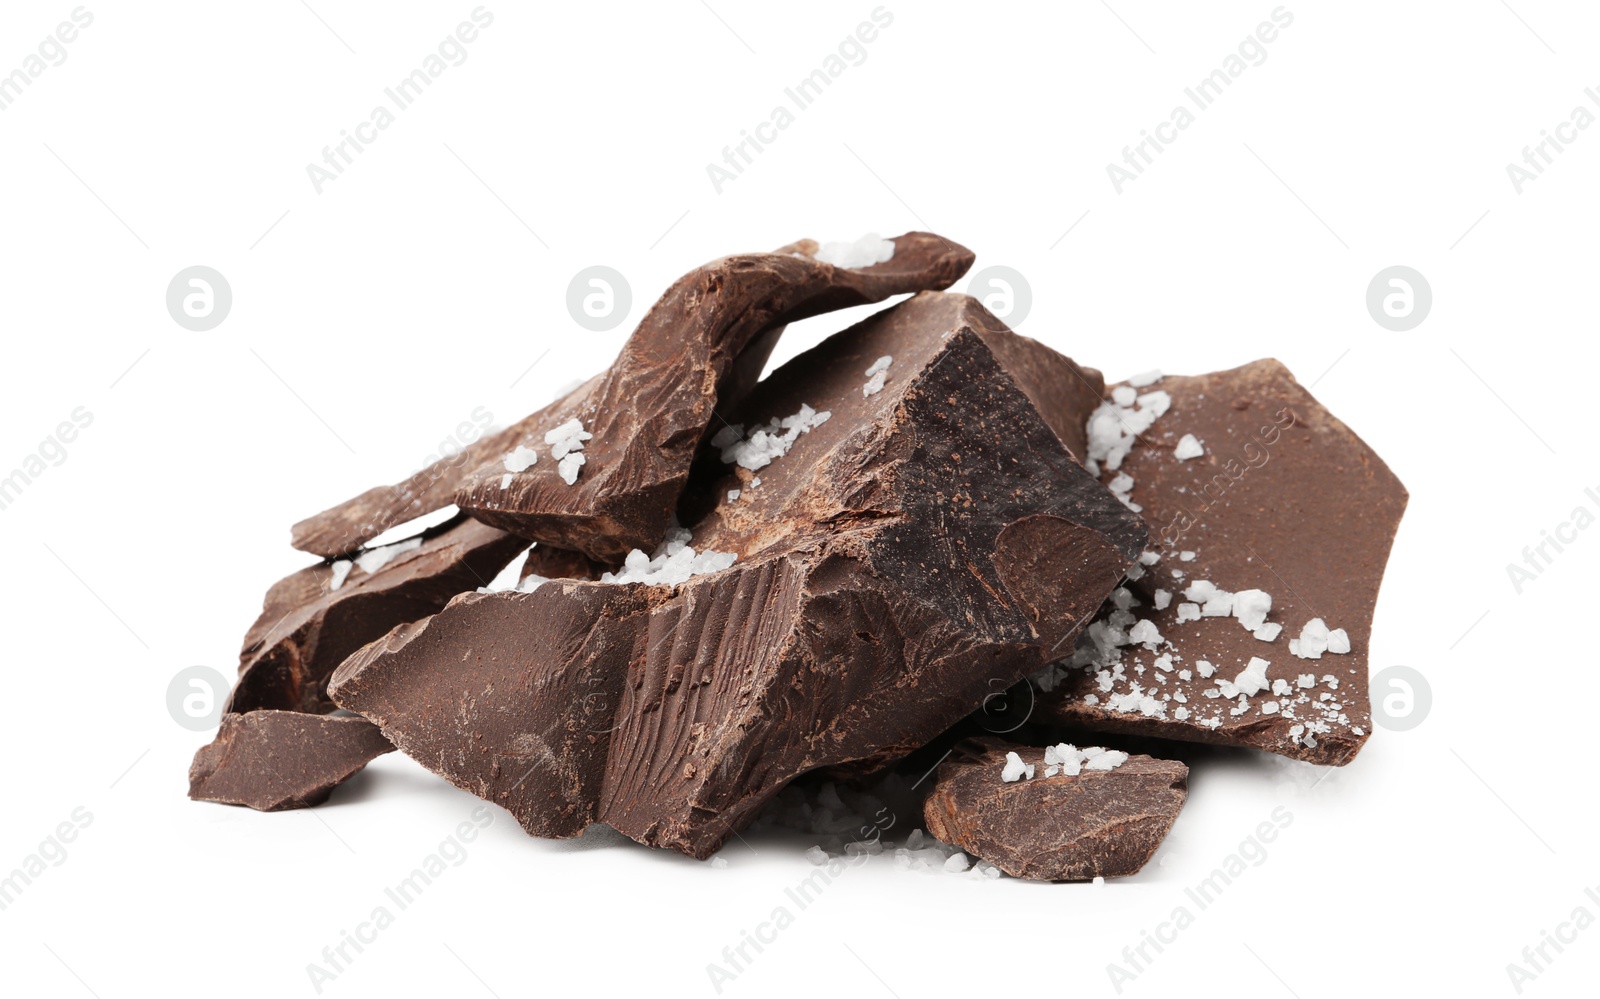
(373, 560)
(1110, 759)
(816, 855)
(881, 364)
(1186, 556)
(733, 494)
(1205, 669)
(1251, 607)
(956, 863)
(1188, 447)
(1268, 632)
(718, 863)
(874, 385)
(569, 465)
(521, 459)
(1188, 612)
(1146, 558)
(1313, 640)
(1145, 633)
(1123, 395)
(1145, 378)
(864, 252)
(1253, 678)
(1339, 641)
(1014, 768)
(341, 570)
(1162, 599)
(505, 480)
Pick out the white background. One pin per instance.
(369, 320)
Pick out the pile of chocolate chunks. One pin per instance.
(730, 582)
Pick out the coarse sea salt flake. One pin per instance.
(521, 459)
(1188, 447)
(864, 252)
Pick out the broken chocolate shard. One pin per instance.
(1095, 823)
(508, 695)
(313, 619)
(710, 333)
(905, 556)
(1271, 523)
(277, 760)
(653, 408)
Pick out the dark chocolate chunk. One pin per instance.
(928, 543)
(307, 626)
(510, 696)
(276, 760)
(1285, 502)
(1095, 823)
(709, 335)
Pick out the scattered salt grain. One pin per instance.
(505, 480)
(1313, 641)
(375, 559)
(522, 458)
(566, 438)
(816, 855)
(733, 494)
(1268, 632)
(881, 364)
(718, 863)
(1015, 769)
(956, 863)
(763, 444)
(1123, 395)
(1162, 599)
(341, 570)
(1145, 378)
(1188, 447)
(1251, 607)
(1110, 759)
(1339, 642)
(1186, 556)
(674, 562)
(569, 465)
(864, 252)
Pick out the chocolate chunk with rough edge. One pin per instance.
(508, 695)
(276, 760)
(709, 334)
(1285, 499)
(905, 558)
(307, 628)
(922, 547)
(1095, 824)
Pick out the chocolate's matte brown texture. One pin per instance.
(1095, 824)
(276, 760)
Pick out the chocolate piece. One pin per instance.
(925, 545)
(709, 334)
(307, 628)
(652, 409)
(508, 695)
(548, 562)
(1286, 500)
(351, 524)
(276, 760)
(1095, 824)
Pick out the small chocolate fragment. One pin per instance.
(508, 695)
(307, 627)
(1251, 488)
(1095, 824)
(710, 334)
(924, 545)
(276, 760)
